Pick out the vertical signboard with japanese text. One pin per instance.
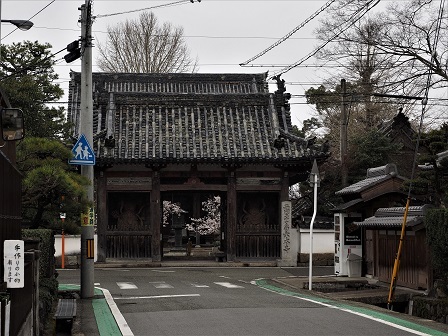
(88, 217)
(14, 263)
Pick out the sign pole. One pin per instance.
(314, 179)
(86, 128)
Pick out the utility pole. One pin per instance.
(86, 128)
(343, 134)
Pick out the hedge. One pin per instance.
(46, 247)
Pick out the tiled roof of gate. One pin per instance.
(393, 217)
(187, 118)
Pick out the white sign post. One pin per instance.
(14, 263)
(314, 179)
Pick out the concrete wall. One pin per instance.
(72, 245)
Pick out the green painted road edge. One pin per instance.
(378, 315)
(104, 318)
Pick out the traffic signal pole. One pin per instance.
(86, 128)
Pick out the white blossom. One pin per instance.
(211, 222)
(170, 208)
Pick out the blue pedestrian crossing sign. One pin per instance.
(82, 153)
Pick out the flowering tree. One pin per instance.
(211, 222)
(170, 208)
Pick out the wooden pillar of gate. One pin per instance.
(231, 215)
(156, 252)
(102, 217)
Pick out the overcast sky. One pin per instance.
(221, 33)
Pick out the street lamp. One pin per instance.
(21, 24)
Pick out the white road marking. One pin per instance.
(199, 285)
(163, 271)
(155, 296)
(121, 322)
(348, 310)
(126, 285)
(163, 285)
(228, 285)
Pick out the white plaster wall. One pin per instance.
(72, 245)
(323, 241)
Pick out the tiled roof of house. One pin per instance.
(374, 176)
(176, 118)
(393, 217)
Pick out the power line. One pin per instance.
(284, 38)
(142, 9)
(30, 18)
(358, 15)
(190, 36)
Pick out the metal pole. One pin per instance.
(343, 134)
(315, 179)
(62, 249)
(86, 128)
(310, 276)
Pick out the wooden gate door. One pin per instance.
(408, 274)
(128, 234)
(258, 232)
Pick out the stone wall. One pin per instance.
(435, 309)
(319, 259)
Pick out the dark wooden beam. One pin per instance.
(156, 217)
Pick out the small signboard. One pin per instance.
(82, 153)
(14, 263)
(88, 218)
(352, 232)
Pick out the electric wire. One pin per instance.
(358, 15)
(175, 3)
(52, 1)
(284, 38)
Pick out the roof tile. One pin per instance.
(187, 117)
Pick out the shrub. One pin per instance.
(437, 238)
(46, 247)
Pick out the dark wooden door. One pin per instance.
(258, 232)
(128, 233)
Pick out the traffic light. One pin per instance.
(74, 52)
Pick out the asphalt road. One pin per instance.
(225, 301)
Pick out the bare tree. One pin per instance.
(417, 34)
(143, 46)
(389, 52)
(355, 57)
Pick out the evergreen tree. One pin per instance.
(50, 186)
(27, 78)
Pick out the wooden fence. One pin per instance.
(414, 263)
(128, 245)
(258, 245)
